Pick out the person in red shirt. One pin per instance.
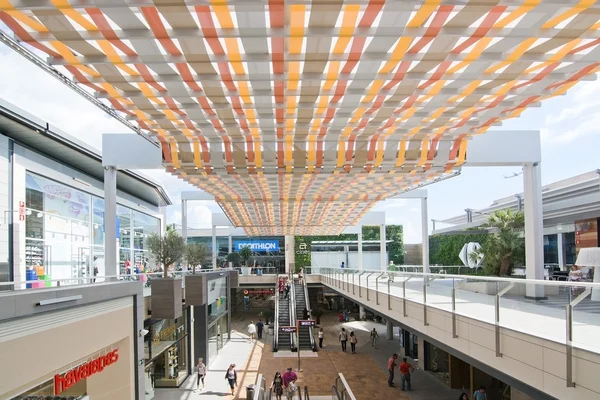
(289, 377)
(391, 366)
(405, 370)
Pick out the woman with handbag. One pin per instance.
(231, 376)
(277, 385)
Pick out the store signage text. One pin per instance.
(72, 377)
(306, 322)
(166, 334)
(288, 329)
(258, 246)
(22, 211)
(302, 249)
(259, 291)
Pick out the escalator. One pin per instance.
(282, 340)
(305, 335)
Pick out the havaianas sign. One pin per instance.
(258, 246)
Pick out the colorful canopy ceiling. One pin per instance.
(300, 115)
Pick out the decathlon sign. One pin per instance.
(258, 246)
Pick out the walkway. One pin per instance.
(366, 371)
(517, 313)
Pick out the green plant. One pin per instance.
(317, 313)
(234, 258)
(444, 249)
(196, 254)
(166, 250)
(245, 254)
(505, 248)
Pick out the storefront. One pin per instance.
(53, 208)
(78, 352)
(166, 352)
(247, 299)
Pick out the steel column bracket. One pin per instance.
(454, 330)
(377, 288)
(389, 295)
(569, 338)
(367, 281)
(404, 295)
(359, 285)
(353, 286)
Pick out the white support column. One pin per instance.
(111, 256)
(534, 233)
(560, 246)
(230, 249)
(360, 253)
(425, 235)
(289, 253)
(389, 331)
(382, 248)
(215, 250)
(184, 221)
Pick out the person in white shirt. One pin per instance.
(251, 330)
(321, 337)
(201, 374)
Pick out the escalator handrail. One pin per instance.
(276, 317)
(306, 396)
(313, 345)
(292, 306)
(334, 392)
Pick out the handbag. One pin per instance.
(292, 387)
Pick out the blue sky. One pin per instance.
(568, 125)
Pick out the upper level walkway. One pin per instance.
(550, 344)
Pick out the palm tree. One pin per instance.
(505, 247)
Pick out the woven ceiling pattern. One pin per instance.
(298, 116)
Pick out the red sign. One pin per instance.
(72, 377)
(259, 291)
(21, 211)
(306, 322)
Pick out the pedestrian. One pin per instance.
(480, 394)
(321, 337)
(281, 287)
(201, 372)
(405, 370)
(343, 265)
(353, 341)
(343, 338)
(391, 366)
(374, 337)
(305, 314)
(231, 376)
(289, 382)
(251, 330)
(463, 396)
(277, 385)
(288, 285)
(301, 276)
(259, 328)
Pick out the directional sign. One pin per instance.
(306, 323)
(287, 329)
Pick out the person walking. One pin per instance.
(374, 337)
(259, 328)
(463, 396)
(251, 330)
(305, 314)
(321, 337)
(277, 385)
(391, 365)
(201, 373)
(231, 377)
(353, 341)
(405, 370)
(288, 286)
(289, 382)
(343, 339)
(480, 394)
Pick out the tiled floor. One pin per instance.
(365, 371)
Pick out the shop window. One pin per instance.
(551, 249)
(167, 349)
(437, 362)
(217, 298)
(57, 230)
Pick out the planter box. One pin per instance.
(196, 290)
(246, 270)
(234, 279)
(167, 298)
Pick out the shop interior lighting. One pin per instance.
(82, 182)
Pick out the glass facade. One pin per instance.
(551, 249)
(268, 260)
(216, 331)
(64, 229)
(165, 351)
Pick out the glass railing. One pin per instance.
(560, 311)
(341, 390)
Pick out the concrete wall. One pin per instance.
(532, 365)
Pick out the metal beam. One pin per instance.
(196, 195)
(485, 58)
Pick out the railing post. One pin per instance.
(425, 323)
(404, 297)
(353, 287)
(377, 291)
(497, 321)
(454, 333)
(359, 286)
(569, 345)
(389, 295)
(367, 286)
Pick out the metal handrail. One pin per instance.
(344, 391)
(292, 307)
(276, 317)
(306, 395)
(313, 345)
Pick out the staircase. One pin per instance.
(304, 334)
(284, 341)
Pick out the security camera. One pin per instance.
(144, 332)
